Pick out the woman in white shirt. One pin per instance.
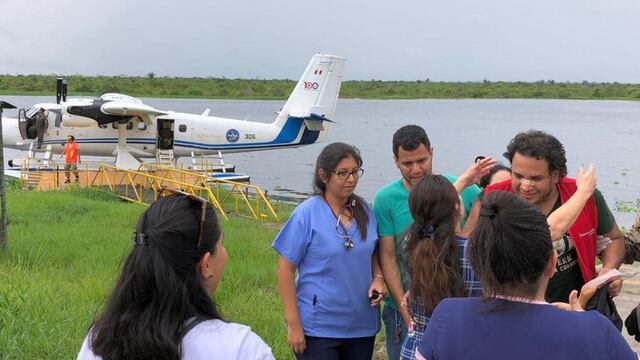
(161, 306)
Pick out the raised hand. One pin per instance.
(474, 173)
(586, 180)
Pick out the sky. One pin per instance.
(454, 40)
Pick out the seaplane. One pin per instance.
(124, 127)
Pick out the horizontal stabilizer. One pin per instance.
(311, 117)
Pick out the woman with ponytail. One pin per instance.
(511, 251)
(435, 255)
(329, 241)
(161, 306)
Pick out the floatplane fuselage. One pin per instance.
(122, 126)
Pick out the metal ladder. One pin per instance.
(165, 158)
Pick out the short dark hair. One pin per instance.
(540, 145)
(410, 137)
(71, 137)
(328, 160)
(510, 246)
(486, 180)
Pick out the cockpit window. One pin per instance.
(32, 111)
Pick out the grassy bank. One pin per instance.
(152, 86)
(64, 254)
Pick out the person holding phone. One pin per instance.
(329, 241)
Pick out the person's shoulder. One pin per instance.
(85, 352)
(391, 186)
(308, 205)
(587, 320)
(453, 305)
(218, 339)
(451, 178)
(389, 191)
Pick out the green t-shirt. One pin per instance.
(391, 208)
(568, 276)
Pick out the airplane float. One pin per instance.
(123, 126)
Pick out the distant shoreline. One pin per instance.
(255, 89)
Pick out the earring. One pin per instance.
(210, 276)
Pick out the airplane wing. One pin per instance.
(120, 108)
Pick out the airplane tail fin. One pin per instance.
(315, 97)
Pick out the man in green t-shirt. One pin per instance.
(413, 156)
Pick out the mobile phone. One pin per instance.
(374, 296)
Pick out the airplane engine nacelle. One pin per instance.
(78, 121)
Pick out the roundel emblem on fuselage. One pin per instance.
(233, 135)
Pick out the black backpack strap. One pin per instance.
(190, 324)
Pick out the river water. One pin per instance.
(603, 132)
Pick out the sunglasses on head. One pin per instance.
(204, 203)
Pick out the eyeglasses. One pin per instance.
(344, 174)
(195, 198)
(348, 243)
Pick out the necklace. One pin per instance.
(521, 299)
(348, 243)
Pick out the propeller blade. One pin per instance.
(58, 90)
(64, 90)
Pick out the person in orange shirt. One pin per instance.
(72, 159)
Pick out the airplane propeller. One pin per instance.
(58, 90)
(61, 90)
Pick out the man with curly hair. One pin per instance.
(539, 169)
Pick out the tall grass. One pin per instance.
(64, 253)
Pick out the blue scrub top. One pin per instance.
(332, 283)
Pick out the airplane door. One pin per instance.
(165, 134)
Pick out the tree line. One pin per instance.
(154, 86)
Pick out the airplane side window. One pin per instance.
(114, 125)
(130, 125)
(103, 126)
(142, 126)
(182, 128)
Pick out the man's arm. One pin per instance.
(472, 220)
(391, 273)
(561, 219)
(474, 173)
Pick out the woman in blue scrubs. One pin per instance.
(331, 307)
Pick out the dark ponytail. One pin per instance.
(510, 245)
(159, 287)
(431, 249)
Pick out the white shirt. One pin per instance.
(212, 339)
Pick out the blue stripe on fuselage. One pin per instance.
(287, 135)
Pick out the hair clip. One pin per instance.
(139, 239)
(428, 232)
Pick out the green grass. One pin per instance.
(64, 253)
